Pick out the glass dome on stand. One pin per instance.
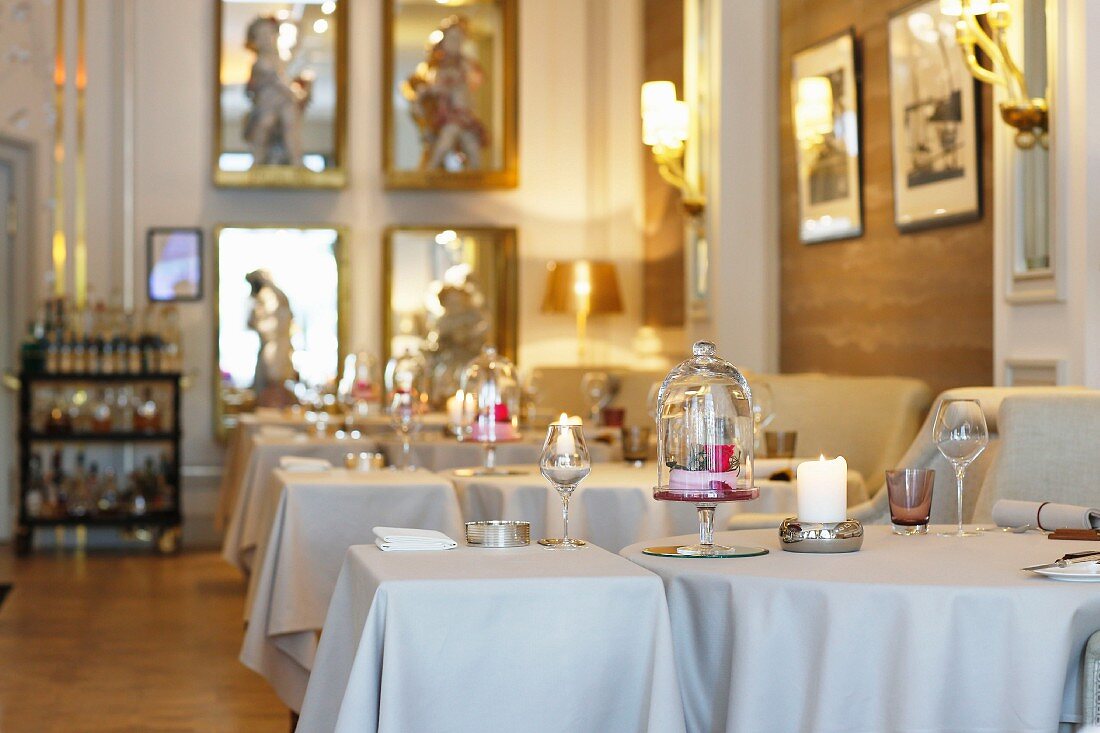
(491, 385)
(705, 445)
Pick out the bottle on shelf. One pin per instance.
(36, 487)
(101, 412)
(147, 414)
(107, 499)
(58, 421)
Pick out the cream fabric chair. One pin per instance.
(924, 454)
(559, 390)
(1048, 452)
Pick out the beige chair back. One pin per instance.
(1047, 452)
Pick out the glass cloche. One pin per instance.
(705, 442)
(360, 387)
(491, 384)
(405, 372)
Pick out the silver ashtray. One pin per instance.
(796, 536)
(497, 533)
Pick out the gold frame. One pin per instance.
(507, 315)
(276, 176)
(342, 303)
(506, 177)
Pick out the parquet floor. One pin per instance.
(127, 644)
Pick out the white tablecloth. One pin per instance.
(917, 633)
(316, 518)
(243, 532)
(525, 639)
(614, 506)
(440, 453)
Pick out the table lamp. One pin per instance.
(583, 287)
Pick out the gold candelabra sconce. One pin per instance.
(665, 127)
(1028, 115)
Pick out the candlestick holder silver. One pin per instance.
(797, 536)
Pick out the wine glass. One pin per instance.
(405, 418)
(961, 435)
(596, 387)
(651, 399)
(763, 410)
(564, 462)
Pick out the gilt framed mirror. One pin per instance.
(280, 94)
(446, 293)
(449, 94)
(281, 294)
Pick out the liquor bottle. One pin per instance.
(56, 497)
(101, 412)
(79, 501)
(57, 421)
(107, 500)
(53, 354)
(65, 353)
(36, 487)
(147, 414)
(124, 412)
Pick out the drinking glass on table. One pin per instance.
(961, 435)
(564, 462)
(405, 407)
(596, 387)
(909, 491)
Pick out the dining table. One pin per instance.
(613, 507)
(312, 518)
(243, 529)
(910, 633)
(467, 639)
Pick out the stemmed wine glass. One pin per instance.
(763, 411)
(961, 435)
(405, 417)
(564, 462)
(597, 389)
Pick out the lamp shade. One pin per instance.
(589, 286)
(956, 7)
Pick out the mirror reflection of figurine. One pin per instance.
(272, 320)
(457, 332)
(273, 127)
(440, 93)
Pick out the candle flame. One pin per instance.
(821, 457)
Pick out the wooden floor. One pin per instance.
(127, 643)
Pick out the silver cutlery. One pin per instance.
(1072, 558)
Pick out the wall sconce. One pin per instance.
(1027, 114)
(813, 110)
(665, 122)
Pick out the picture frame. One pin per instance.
(304, 268)
(935, 122)
(280, 94)
(472, 272)
(173, 264)
(825, 110)
(465, 56)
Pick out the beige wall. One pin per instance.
(917, 305)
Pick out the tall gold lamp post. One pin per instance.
(1028, 115)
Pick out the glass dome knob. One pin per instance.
(704, 348)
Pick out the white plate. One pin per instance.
(1082, 572)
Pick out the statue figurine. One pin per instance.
(273, 127)
(457, 332)
(440, 95)
(273, 321)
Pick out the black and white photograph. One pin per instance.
(825, 107)
(933, 120)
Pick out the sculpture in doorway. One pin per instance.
(440, 94)
(273, 127)
(458, 329)
(273, 322)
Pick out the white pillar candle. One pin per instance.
(455, 407)
(823, 490)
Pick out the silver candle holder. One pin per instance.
(816, 537)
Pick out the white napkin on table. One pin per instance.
(401, 538)
(1047, 515)
(304, 464)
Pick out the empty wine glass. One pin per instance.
(651, 400)
(763, 411)
(961, 435)
(596, 387)
(564, 462)
(405, 407)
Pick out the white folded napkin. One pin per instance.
(1045, 515)
(400, 538)
(301, 463)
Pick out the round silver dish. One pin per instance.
(498, 533)
(796, 536)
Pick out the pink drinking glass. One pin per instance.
(910, 493)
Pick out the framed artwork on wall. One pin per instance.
(173, 259)
(934, 122)
(449, 94)
(280, 94)
(825, 111)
